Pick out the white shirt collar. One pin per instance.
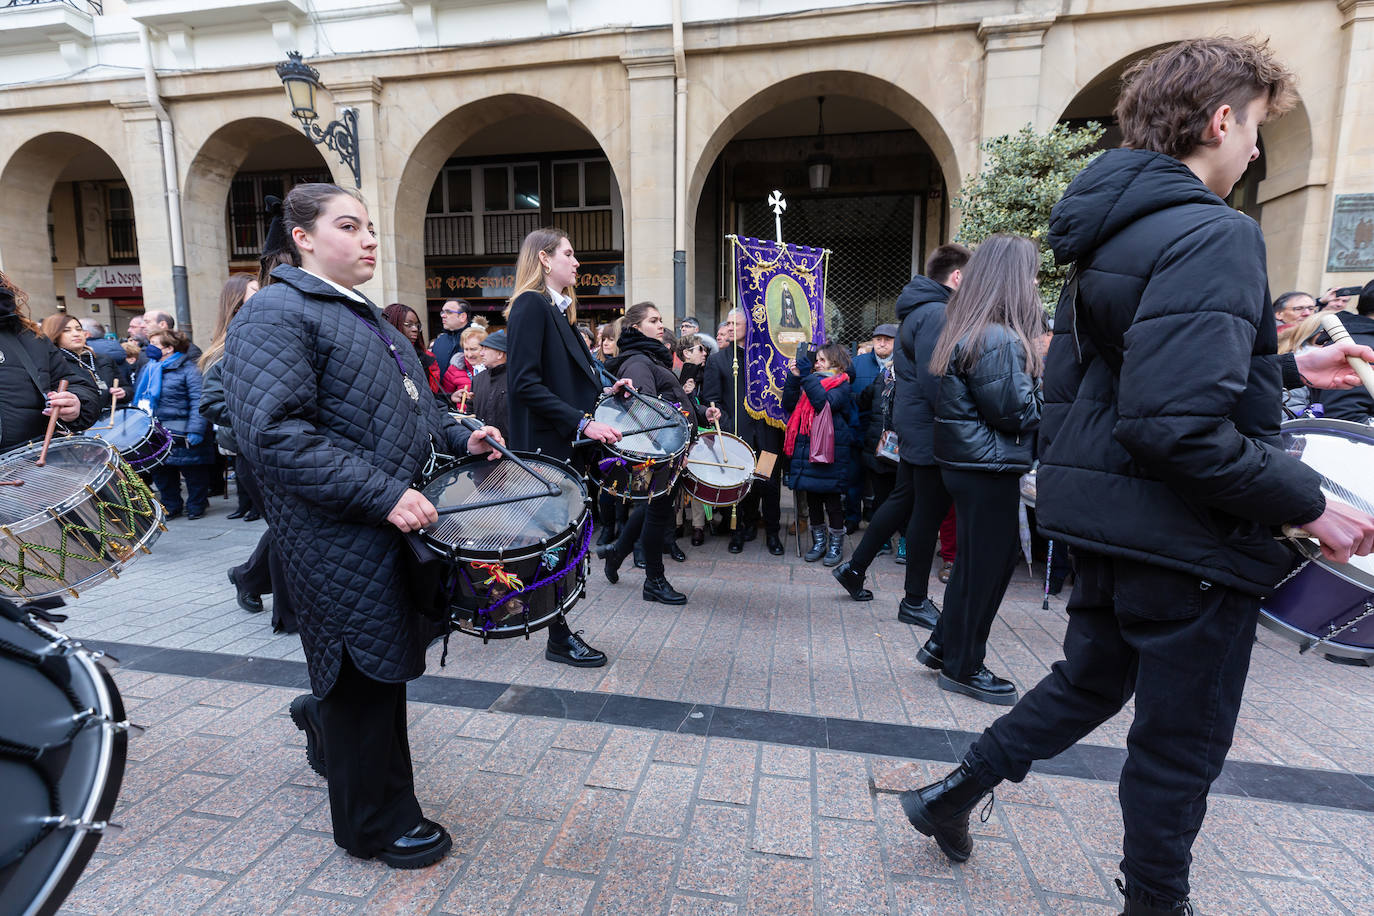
(356, 297)
(560, 300)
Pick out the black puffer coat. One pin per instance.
(985, 416)
(648, 364)
(318, 406)
(1353, 404)
(22, 402)
(876, 404)
(1159, 445)
(921, 310)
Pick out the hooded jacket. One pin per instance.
(921, 310)
(1159, 439)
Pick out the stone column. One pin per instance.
(649, 198)
(366, 97)
(1011, 84)
(1352, 158)
(143, 139)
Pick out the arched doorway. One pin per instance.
(883, 208)
(481, 180)
(70, 238)
(224, 214)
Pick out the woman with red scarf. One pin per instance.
(810, 388)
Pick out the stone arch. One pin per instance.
(425, 159)
(27, 180)
(205, 193)
(889, 95)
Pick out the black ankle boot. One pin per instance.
(613, 560)
(657, 588)
(853, 581)
(941, 810)
(819, 540)
(1135, 906)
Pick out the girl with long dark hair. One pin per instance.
(66, 333)
(989, 363)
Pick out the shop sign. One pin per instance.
(109, 282)
(595, 280)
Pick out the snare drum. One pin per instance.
(142, 441)
(720, 468)
(74, 522)
(518, 557)
(647, 460)
(1324, 605)
(63, 743)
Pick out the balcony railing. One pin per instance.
(86, 6)
(448, 234)
(122, 240)
(588, 230)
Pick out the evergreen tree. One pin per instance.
(1024, 175)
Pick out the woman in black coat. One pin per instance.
(825, 382)
(333, 410)
(69, 336)
(648, 364)
(29, 376)
(988, 364)
(552, 384)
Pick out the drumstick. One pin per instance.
(716, 464)
(52, 427)
(713, 404)
(474, 425)
(1331, 323)
(11, 483)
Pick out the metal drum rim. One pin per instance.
(71, 502)
(1307, 547)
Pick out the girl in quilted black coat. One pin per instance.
(988, 362)
(810, 386)
(332, 408)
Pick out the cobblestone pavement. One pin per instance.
(553, 815)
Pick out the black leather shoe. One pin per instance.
(751, 532)
(1136, 905)
(774, 544)
(613, 560)
(925, 614)
(195, 515)
(659, 589)
(252, 516)
(574, 651)
(247, 600)
(675, 552)
(421, 845)
(853, 582)
(981, 685)
(305, 712)
(932, 655)
(941, 810)
(698, 537)
(639, 558)
(736, 542)
(237, 513)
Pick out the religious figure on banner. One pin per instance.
(781, 291)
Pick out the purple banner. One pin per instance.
(781, 290)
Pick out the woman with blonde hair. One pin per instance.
(553, 381)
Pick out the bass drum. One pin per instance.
(1324, 605)
(62, 753)
(515, 542)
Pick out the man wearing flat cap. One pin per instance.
(867, 369)
(489, 388)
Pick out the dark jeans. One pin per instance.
(819, 505)
(917, 505)
(367, 753)
(649, 524)
(763, 500)
(168, 478)
(854, 491)
(1182, 646)
(988, 540)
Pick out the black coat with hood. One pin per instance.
(921, 310)
(1159, 442)
(319, 407)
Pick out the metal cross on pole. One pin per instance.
(775, 200)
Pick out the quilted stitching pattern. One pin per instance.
(320, 411)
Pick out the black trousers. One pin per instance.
(367, 753)
(986, 504)
(250, 493)
(819, 505)
(917, 504)
(649, 524)
(764, 500)
(1182, 646)
(264, 573)
(168, 478)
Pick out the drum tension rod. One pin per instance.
(63, 822)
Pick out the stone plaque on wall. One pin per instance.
(1352, 234)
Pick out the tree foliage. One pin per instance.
(1024, 175)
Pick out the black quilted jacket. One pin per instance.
(985, 417)
(319, 409)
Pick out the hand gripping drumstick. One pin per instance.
(1331, 324)
(52, 426)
